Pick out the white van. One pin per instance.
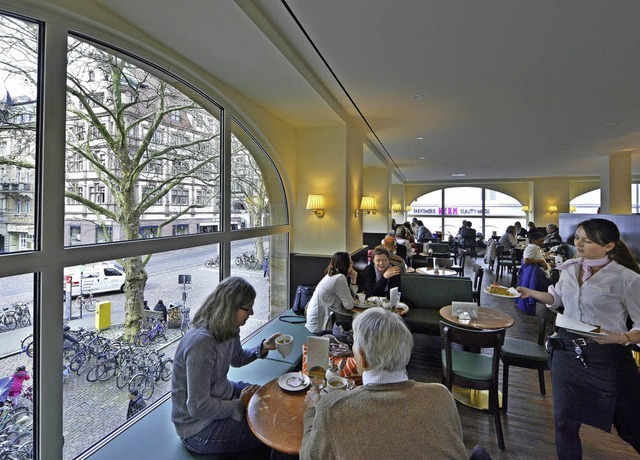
(95, 278)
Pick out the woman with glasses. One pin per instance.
(208, 410)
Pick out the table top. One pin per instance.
(488, 318)
(276, 417)
(403, 310)
(441, 271)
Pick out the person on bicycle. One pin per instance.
(19, 376)
(136, 403)
(160, 306)
(208, 410)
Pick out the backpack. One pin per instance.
(303, 296)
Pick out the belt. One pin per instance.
(563, 344)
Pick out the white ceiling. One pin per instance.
(512, 89)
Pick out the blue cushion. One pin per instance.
(474, 366)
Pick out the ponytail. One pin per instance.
(622, 255)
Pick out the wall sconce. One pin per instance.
(408, 209)
(525, 209)
(572, 209)
(552, 209)
(368, 205)
(316, 202)
(396, 207)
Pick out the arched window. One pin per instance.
(589, 203)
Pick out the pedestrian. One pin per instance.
(136, 403)
(19, 376)
(160, 306)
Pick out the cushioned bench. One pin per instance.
(153, 434)
(426, 295)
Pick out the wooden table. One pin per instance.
(276, 417)
(344, 312)
(488, 318)
(441, 271)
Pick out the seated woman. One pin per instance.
(332, 291)
(390, 245)
(208, 410)
(380, 275)
(509, 239)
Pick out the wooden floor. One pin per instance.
(528, 425)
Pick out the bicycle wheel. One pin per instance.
(209, 263)
(142, 339)
(106, 370)
(239, 261)
(166, 370)
(89, 305)
(123, 376)
(143, 383)
(92, 374)
(10, 321)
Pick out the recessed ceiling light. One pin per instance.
(420, 138)
(612, 123)
(458, 174)
(416, 97)
(423, 158)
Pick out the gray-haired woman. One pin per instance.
(208, 410)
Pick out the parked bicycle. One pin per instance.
(27, 345)
(22, 314)
(214, 262)
(8, 318)
(85, 301)
(154, 369)
(151, 329)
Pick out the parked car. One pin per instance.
(94, 278)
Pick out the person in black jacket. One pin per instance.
(136, 403)
(380, 275)
(160, 306)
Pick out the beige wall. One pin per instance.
(377, 183)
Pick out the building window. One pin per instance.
(180, 229)
(149, 231)
(75, 232)
(26, 242)
(180, 197)
(97, 193)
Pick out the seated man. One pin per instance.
(553, 236)
(423, 233)
(363, 423)
(533, 252)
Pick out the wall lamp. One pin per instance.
(552, 209)
(572, 209)
(368, 205)
(316, 202)
(525, 208)
(397, 207)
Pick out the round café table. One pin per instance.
(488, 318)
(441, 271)
(276, 417)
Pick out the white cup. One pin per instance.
(361, 297)
(336, 383)
(284, 345)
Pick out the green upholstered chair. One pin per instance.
(527, 354)
(473, 370)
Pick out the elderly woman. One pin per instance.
(380, 275)
(208, 410)
(357, 423)
(337, 288)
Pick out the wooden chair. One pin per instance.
(459, 266)
(516, 263)
(473, 370)
(478, 271)
(526, 354)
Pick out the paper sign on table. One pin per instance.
(393, 296)
(318, 353)
(464, 307)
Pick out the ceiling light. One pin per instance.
(458, 174)
(420, 138)
(423, 158)
(612, 123)
(416, 97)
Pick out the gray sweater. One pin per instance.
(201, 392)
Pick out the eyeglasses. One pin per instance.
(247, 309)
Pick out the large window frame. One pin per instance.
(49, 256)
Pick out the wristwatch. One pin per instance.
(628, 337)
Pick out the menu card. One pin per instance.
(318, 354)
(393, 296)
(464, 307)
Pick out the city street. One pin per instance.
(93, 409)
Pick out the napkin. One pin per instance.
(318, 352)
(470, 308)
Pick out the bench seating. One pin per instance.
(426, 295)
(152, 435)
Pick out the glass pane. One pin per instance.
(501, 204)
(142, 159)
(257, 198)
(17, 349)
(588, 203)
(463, 201)
(499, 225)
(18, 115)
(182, 278)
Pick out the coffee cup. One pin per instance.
(336, 383)
(361, 297)
(284, 345)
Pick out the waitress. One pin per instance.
(595, 380)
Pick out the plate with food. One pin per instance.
(365, 304)
(410, 269)
(578, 327)
(502, 291)
(294, 381)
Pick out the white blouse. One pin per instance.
(605, 299)
(331, 291)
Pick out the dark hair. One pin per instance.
(401, 231)
(340, 263)
(420, 223)
(218, 311)
(535, 236)
(603, 232)
(134, 392)
(468, 224)
(21, 368)
(531, 225)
